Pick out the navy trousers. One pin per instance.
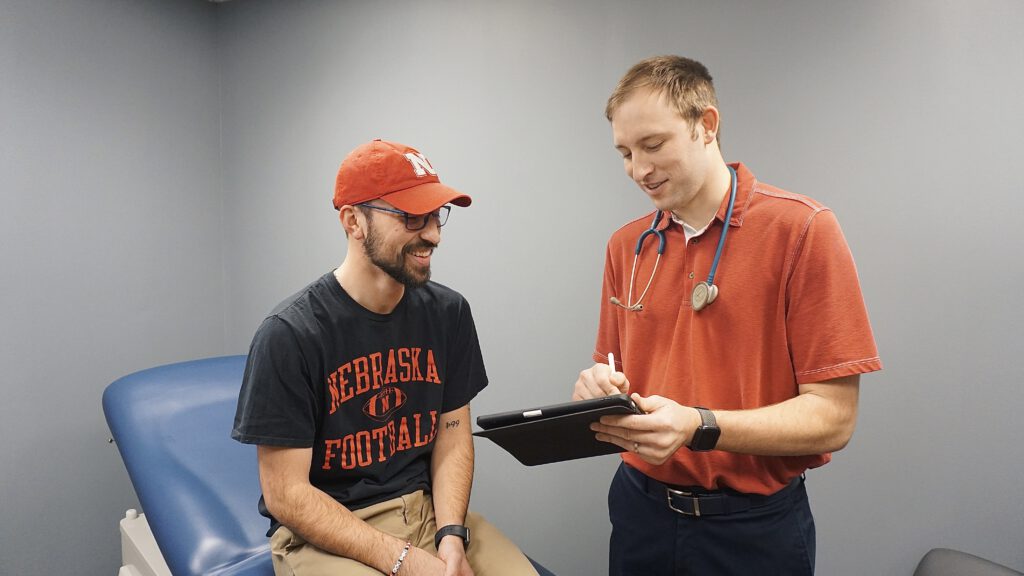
(650, 539)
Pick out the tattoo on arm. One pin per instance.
(451, 424)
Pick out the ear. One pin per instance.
(350, 221)
(709, 121)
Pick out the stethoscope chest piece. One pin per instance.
(702, 295)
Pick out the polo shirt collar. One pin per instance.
(745, 181)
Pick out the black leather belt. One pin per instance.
(701, 502)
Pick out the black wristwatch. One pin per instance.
(452, 529)
(705, 437)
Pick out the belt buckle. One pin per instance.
(696, 501)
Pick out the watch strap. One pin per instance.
(705, 437)
(707, 417)
(452, 530)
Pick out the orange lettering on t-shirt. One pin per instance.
(329, 452)
(389, 375)
(432, 375)
(364, 450)
(403, 361)
(404, 443)
(362, 371)
(343, 383)
(375, 369)
(378, 435)
(391, 438)
(420, 441)
(332, 386)
(348, 452)
(417, 374)
(433, 424)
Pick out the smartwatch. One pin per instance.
(452, 529)
(705, 437)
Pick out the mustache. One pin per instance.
(420, 246)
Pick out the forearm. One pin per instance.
(322, 521)
(452, 467)
(328, 525)
(810, 423)
(820, 419)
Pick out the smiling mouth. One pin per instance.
(420, 253)
(652, 186)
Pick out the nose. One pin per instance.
(432, 231)
(640, 167)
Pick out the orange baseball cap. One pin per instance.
(398, 174)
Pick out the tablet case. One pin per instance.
(542, 439)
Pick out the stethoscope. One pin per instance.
(704, 293)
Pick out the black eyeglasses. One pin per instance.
(416, 221)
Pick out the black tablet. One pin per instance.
(556, 432)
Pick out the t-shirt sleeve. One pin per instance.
(276, 404)
(465, 373)
(826, 320)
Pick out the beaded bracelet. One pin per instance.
(401, 558)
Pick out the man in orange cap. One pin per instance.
(357, 394)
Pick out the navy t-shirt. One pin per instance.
(364, 390)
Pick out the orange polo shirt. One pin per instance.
(789, 311)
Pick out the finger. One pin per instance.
(636, 423)
(586, 386)
(626, 434)
(620, 442)
(650, 403)
(618, 380)
(594, 382)
(603, 378)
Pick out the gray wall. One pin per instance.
(900, 116)
(110, 251)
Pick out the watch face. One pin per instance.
(705, 438)
(712, 435)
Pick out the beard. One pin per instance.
(396, 266)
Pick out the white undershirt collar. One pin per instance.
(690, 231)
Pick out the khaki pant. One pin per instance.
(409, 517)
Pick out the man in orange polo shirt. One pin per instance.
(740, 331)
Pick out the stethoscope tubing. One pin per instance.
(653, 229)
(725, 227)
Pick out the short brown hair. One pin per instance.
(687, 84)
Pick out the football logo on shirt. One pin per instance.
(383, 404)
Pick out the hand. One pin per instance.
(419, 562)
(653, 436)
(453, 552)
(599, 380)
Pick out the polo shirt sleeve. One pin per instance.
(608, 322)
(826, 320)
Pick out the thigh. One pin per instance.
(491, 553)
(644, 530)
(293, 556)
(773, 540)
